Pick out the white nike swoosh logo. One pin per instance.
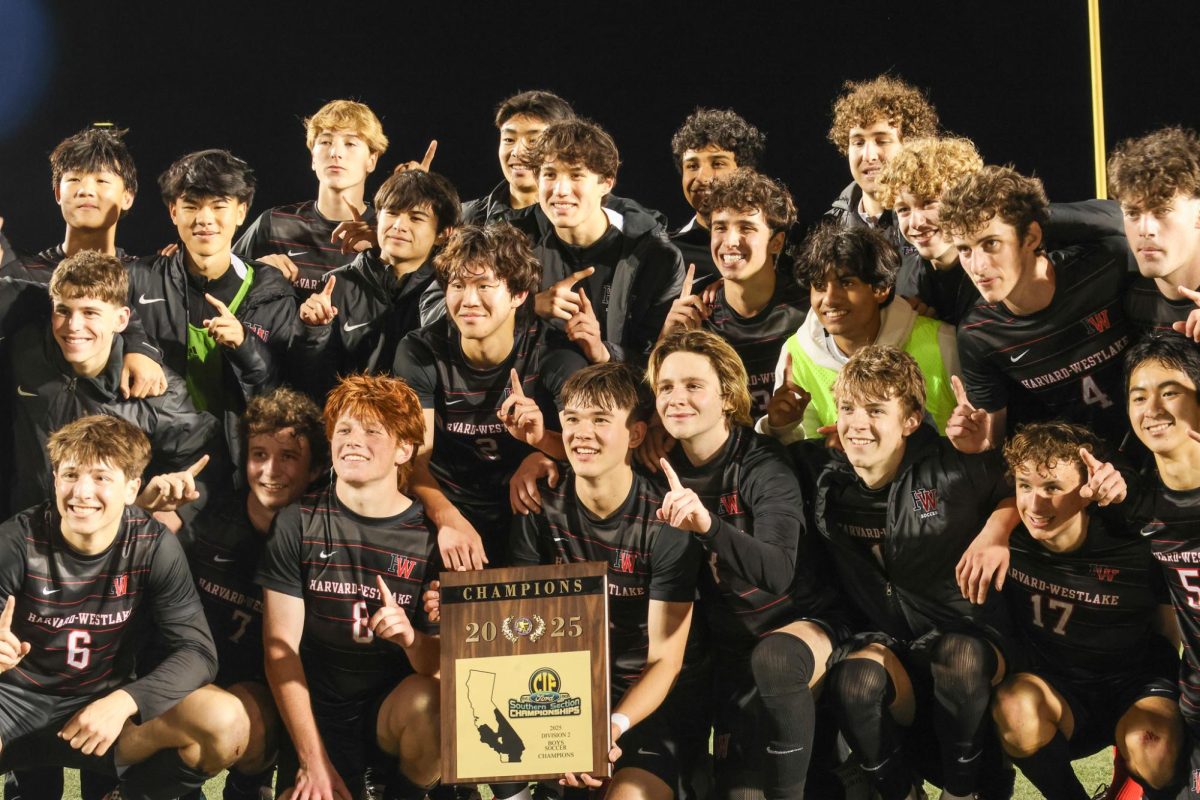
(644, 752)
(559, 539)
(348, 327)
(327, 555)
(297, 253)
(148, 300)
(1015, 359)
(454, 402)
(772, 751)
(962, 760)
(50, 591)
(21, 392)
(223, 560)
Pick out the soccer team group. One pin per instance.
(904, 495)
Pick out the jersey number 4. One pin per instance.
(1092, 394)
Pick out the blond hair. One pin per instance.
(347, 115)
(880, 372)
(927, 167)
(731, 372)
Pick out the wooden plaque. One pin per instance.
(525, 673)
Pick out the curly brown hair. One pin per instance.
(1047, 444)
(92, 274)
(926, 167)
(860, 252)
(283, 409)
(383, 399)
(881, 372)
(497, 246)
(575, 141)
(1149, 171)
(100, 439)
(971, 203)
(724, 128)
(746, 190)
(885, 98)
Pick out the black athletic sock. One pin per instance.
(163, 776)
(505, 790)
(860, 692)
(1049, 770)
(95, 785)
(240, 786)
(34, 783)
(401, 787)
(962, 668)
(782, 667)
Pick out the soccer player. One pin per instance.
(520, 120)
(1048, 336)
(64, 362)
(302, 240)
(355, 323)
(1087, 604)
(286, 450)
(755, 309)
(601, 510)
(897, 510)
(86, 576)
(850, 274)
(605, 268)
(740, 491)
(476, 373)
(709, 144)
(224, 324)
(95, 182)
(350, 657)
(871, 120)
(1156, 178)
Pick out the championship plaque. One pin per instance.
(525, 673)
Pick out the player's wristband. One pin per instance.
(621, 721)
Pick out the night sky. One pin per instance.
(1013, 76)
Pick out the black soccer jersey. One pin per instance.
(1172, 523)
(949, 292)
(300, 232)
(323, 552)
(1068, 355)
(760, 575)
(1150, 311)
(759, 339)
(224, 555)
(84, 615)
(473, 453)
(1087, 615)
(39, 268)
(647, 560)
(695, 244)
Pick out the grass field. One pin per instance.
(1092, 772)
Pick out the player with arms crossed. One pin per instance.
(350, 657)
(86, 577)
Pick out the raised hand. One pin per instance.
(681, 507)
(318, 309)
(584, 330)
(1105, 484)
(169, 491)
(788, 402)
(560, 301)
(12, 649)
(423, 164)
(689, 311)
(968, 428)
(390, 622)
(225, 329)
(1189, 327)
(521, 416)
(355, 234)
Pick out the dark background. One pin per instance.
(1012, 75)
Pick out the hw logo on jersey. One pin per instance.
(623, 561)
(1097, 323)
(120, 586)
(1106, 574)
(731, 505)
(925, 502)
(401, 567)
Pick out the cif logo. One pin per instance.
(544, 681)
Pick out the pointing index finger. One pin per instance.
(6, 616)
(789, 379)
(687, 282)
(200, 464)
(354, 213)
(429, 153)
(516, 383)
(1090, 461)
(576, 277)
(960, 392)
(328, 289)
(1190, 294)
(218, 305)
(672, 478)
(385, 593)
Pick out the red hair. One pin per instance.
(378, 398)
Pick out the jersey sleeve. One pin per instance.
(986, 386)
(254, 242)
(675, 559)
(23, 302)
(523, 548)
(12, 559)
(279, 567)
(416, 364)
(561, 362)
(1085, 221)
(191, 660)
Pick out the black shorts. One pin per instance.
(348, 731)
(29, 726)
(670, 742)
